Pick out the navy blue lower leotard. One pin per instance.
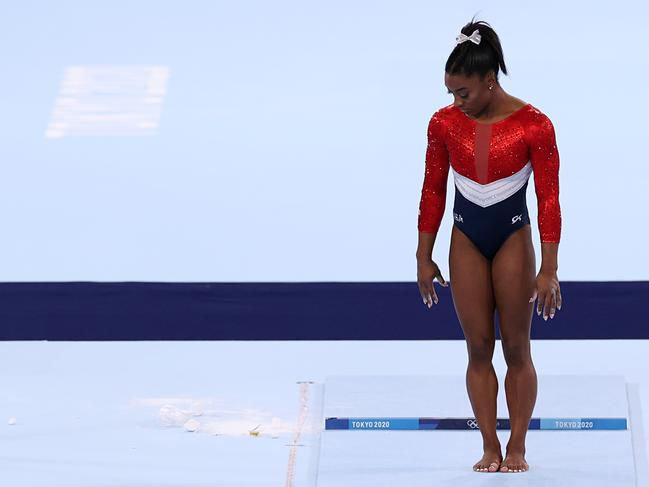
(489, 227)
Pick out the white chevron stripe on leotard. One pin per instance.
(489, 194)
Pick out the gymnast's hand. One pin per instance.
(427, 270)
(548, 293)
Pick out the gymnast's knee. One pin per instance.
(481, 350)
(516, 353)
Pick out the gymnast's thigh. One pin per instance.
(514, 277)
(472, 291)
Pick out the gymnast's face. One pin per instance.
(470, 93)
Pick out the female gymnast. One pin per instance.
(493, 142)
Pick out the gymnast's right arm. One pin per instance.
(431, 209)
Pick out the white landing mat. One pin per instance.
(424, 458)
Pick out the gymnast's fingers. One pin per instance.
(553, 304)
(539, 302)
(423, 291)
(547, 302)
(427, 292)
(441, 280)
(432, 295)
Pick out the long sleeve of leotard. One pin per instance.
(544, 157)
(433, 192)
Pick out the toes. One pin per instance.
(514, 468)
(492, 467)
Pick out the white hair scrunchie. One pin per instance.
(474, 37)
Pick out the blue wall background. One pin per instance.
(291, 311)
(277, 191)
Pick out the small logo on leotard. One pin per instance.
(458, 217)
(517, 218)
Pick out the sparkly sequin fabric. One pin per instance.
(487, 153)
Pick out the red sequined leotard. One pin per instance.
(490, 162)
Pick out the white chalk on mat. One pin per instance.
(172, 416)
(197, 408)
(191, 425)
(211, 429)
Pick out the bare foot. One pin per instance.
(514, 462)
(490, 461)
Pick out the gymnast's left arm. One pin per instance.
(544, 157)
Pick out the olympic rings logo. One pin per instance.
(472, 423)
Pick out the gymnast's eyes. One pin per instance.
(461, 96)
